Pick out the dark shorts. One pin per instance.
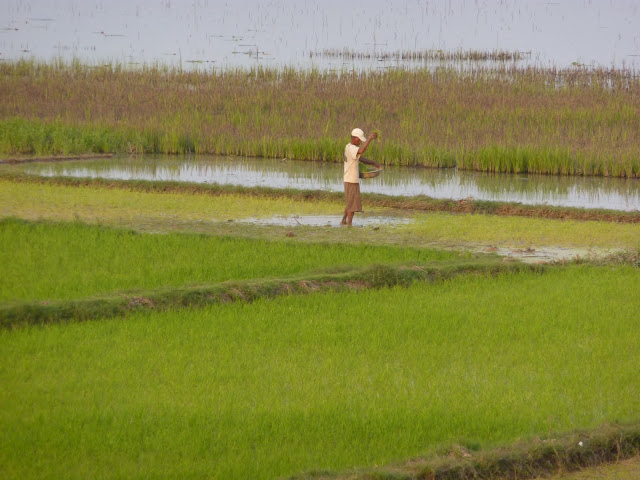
(352, 192)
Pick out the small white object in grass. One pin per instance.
(580, 443)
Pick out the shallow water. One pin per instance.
(585, 192)
(548, 254)
(526, 254)
(360, 220)
(244, 33)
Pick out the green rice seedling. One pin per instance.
(517, 231)
(322, 382)
(111, 205)
(41, 261)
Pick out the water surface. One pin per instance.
(586, 192)
(243, 33)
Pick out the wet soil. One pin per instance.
(528, 254)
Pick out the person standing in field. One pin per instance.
(352, 155)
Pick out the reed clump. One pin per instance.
(498, 118)
(424, 55)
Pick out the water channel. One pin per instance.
(585, 192)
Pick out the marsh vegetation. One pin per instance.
(504, 119)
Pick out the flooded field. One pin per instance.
(216, 34)
(586, 192)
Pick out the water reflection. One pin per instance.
(587, 192)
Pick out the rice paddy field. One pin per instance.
(321, 382)
(59, 260)
(174, 330)
(368, 379)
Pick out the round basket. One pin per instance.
(371, 174)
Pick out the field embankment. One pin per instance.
(623, 469)
(606, 453)
(543, 120)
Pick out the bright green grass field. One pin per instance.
(71, 260)
(324, 381)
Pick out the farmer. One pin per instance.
(352, 154)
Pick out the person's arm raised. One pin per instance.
(364, 146)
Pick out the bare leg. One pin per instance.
(349, 218)
(344, 218)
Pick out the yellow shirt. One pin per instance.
(351, 161)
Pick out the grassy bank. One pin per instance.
(605, 453)
(321, 382)
(573, 121)
(619, 470)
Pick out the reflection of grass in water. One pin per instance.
(328, 381)
(551, 185)
(497, 119)
(203, 167)
(455, 56)
(209, 169)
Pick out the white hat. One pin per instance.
(357, 132)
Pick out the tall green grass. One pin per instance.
(21, 136)
(40, 261)
(328, 381)
(502, 118)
